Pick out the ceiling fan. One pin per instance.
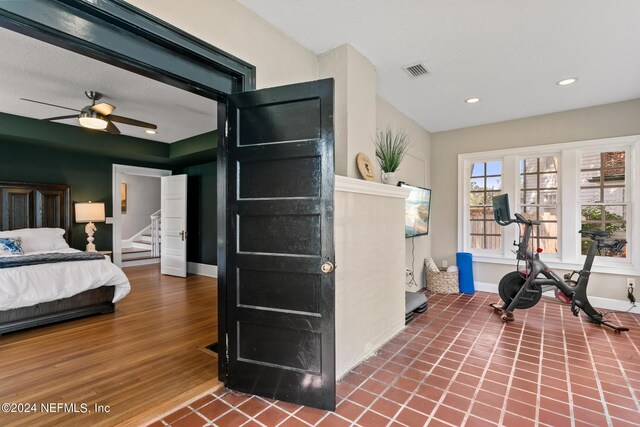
(98, 116)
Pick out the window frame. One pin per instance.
(485, 176)
(518, 203)
(467, 206)
(569, 213)
(628, 203)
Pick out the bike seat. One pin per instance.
(595, 233)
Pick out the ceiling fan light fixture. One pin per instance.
(92, 120)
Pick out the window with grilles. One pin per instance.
(603, 200)
(485, 182)
(539, 199)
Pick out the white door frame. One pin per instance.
(118, 170)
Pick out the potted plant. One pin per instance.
(391, 146)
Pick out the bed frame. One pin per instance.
(30, 205)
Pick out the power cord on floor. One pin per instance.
(412, 281)
(631, 297)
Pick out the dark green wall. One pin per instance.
(201, 216)
(88, 175)
(36, 151)
(83, 141)
(202, 146)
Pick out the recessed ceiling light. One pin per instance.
(151, 131)
(472, 100)
(567, 81)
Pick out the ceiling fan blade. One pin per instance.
(132, 122)
(112, 129)
(61, 117)
(103, 108)
(46, 103)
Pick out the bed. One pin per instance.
(47, 293)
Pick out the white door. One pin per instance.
(173, 226)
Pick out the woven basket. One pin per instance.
(442, 282)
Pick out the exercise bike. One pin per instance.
(523, 289)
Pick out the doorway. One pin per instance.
(129, 232)
(140, 219)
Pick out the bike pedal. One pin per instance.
(574, 308)
(507, 317)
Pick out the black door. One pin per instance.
(279, 273)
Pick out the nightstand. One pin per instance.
(107, 253)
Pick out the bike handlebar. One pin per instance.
(522, 220)
(616, 245)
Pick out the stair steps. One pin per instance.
(135, 253)
(140, 251)
(137, 256)
(144, 242)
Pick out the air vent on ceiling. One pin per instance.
(416, 70)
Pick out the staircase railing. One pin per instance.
(155, 234)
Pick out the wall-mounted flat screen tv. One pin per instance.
(417, 211)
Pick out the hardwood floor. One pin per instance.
(142, 361)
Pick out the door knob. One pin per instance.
(327, 267)
(183, 235)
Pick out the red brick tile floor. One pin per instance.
(458, 364)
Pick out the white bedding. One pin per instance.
(34, 284)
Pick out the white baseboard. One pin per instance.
(202, 269)
(597, 302)
(613, 304)
(486, 287)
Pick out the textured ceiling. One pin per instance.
(509, 53)
(37, 70)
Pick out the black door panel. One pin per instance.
(279, 178)
(262, 124)
(279, 290)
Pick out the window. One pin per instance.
(591, 185)
(539, 199)
(602, 196)
(484, 184)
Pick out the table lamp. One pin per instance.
(89, 213)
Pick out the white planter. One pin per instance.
(389, 178)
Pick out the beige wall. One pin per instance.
(280, 60)
(230, 26)
(369, 239)
(361, 109)
(414, 170)
(618, 119)
(334, 63)
(355, 105)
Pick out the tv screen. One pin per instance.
(417, 210)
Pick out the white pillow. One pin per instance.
(430, 265)
(39, 239)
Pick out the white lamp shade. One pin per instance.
(90, 212)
